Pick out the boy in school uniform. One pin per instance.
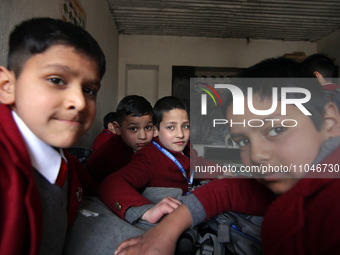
(163, 163)
(107, 132)
(300, 208)
(134, 131)
(48, 101)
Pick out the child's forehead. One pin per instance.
(62, 57)
(73, 48)
(133, 119)
(175, 113)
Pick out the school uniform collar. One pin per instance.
(314, 181)
(106, 131)
(45, 159)
(327, 149)
(330, 86)
(330, 83)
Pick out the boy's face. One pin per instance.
(55, 95)
(274, 144)
(174, 130)
(136, 132)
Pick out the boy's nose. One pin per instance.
(180, 133)
(260, 152)
(142, 134)
(75, 99)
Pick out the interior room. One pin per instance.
(145, 42)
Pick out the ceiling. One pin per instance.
(290, 20)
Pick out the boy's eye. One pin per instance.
(276, 131)
(133, 128)
(148, 127)
(90, 91)
(56, 81)
(242, 142)
(170, 127)
(187, 126)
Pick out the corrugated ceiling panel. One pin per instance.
(253, 19)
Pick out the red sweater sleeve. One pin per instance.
(231, 194)
(119, 190)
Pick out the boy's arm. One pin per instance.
(119, 191)
(241, 195)
(162, 238)
(155, 195)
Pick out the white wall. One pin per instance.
(330, 45)
(99, 24)
(166, 51)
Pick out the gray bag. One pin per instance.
(228, 233)
(240, 233)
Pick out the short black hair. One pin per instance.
(134, 105)
(281, 70)
(322, 64)
(109, 118)
(166, 104)
(36, 35)
(276, 68)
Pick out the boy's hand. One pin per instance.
(150, 243)
(162, 238)
(165, 206)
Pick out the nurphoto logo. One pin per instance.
(240, 100)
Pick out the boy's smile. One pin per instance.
(136, 132)
(276, 145)
(174, 130)
(55, 95)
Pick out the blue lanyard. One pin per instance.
(181, 168)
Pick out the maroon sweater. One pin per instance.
(148, 167)
(101, 139)
(21, 210)
(304, 220)
(108, 158)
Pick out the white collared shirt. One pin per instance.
(45, 159)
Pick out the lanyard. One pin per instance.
(181, 168)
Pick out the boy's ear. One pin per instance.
(331, 120)
(111, 128)
(116, 128)
(7, 86)
(155, 131)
